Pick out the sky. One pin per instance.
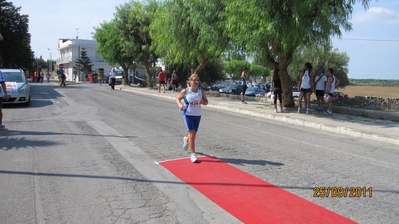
(372, 45)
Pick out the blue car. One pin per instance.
(255, 90)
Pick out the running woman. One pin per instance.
(306, 87)
(193, 97)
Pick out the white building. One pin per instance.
(70, 49)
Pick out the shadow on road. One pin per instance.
(266, 185)
(8, 143)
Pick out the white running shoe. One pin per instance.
(185, 143)
(193, 158)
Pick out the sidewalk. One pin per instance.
(343, 122)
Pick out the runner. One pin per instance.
(193, 97)
(244, 84)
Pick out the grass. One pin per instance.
(378, 91)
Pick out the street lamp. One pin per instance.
(50, 63)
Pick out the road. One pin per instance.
(86, 154)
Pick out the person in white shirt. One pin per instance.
(3, 96)
(320, 83)
(112, 76)
(332, 83)
(306, 87)
(193, 97)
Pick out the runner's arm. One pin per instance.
(179, 99)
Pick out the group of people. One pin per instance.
(40, 77)
(320, 84)
(162, 81)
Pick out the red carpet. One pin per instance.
(246, 197)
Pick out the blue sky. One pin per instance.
(372, 45)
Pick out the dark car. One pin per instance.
(217, 87)
(229, 89)
(255, 90)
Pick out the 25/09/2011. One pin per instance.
(342, 192)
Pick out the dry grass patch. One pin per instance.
(378, 91)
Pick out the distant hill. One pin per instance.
(374, 82)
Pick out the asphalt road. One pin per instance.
(86, 154)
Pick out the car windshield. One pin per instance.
(119, 73)
(13, 77)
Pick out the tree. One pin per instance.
(258, 71)
(15, 49)
(138, 34)
(190, 32)
(320, 57)
(84, 62)
(112, 47)
(272, 30)
(235, 67)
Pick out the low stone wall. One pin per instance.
(370, 102)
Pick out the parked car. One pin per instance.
(229, 89)
(18, 88)
(295, 93)
(255, 90)
(217, 87)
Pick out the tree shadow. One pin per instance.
(242, 162)
(138, 180)
(8, 143)
(11, 139)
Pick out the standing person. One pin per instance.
(277, 90)
(95, 77)
(41, 76)
(320, 86)
(244, 84)
(48, 76)
(161, 81)
(306, 86)
(3, 96)
(62, 76)
(36, 75)
(193, 97)
(112, 76)
(174, 81)
(100, 78)
(332, 83)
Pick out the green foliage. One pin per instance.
(15, 49)
(84, 62)
(271, 30)
(190, 32)
(373, 82)
(138, 34)
(258, 71)
(320, 57)
(235, 67)
(38, 64)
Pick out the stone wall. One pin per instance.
(370, 102)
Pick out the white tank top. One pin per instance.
(306, 80)
(193, 100)
(332, 90)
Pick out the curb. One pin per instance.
(288, 120)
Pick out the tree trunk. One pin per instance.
(288, 100)
(150, 82)
(125, 79)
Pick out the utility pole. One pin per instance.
(50, 63)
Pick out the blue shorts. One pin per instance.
(191, 122)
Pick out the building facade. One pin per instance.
(69, 50)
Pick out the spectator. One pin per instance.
(305, 86)
(277, 90)
(112, 76)
(320, 87)
(244, 84)
(161, 81)
(174, 81)
(332, 83)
